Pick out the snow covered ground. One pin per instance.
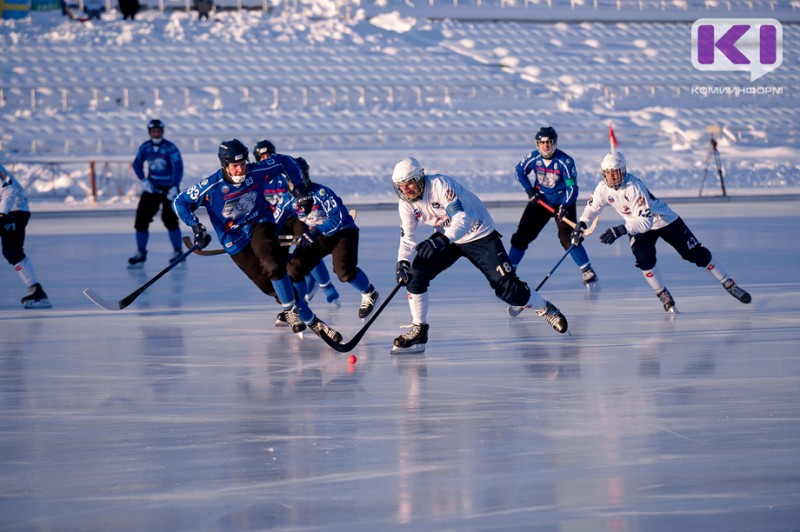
(355, 94)
(190, 411)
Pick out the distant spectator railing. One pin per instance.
(619, 5)
(295, 140)
(305, 96)
(346, 7)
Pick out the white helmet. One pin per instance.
(405, 172)
(614, 169)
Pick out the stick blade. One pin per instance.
(103, 302)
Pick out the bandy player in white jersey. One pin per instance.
(463, 228)
(647, 219)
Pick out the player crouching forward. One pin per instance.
(647, 219)
(330, 231)
(463, 228)
(233, 197)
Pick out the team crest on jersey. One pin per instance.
(435, 205)
(204, 182)
(417, 214)
(611, 199)
(237, 206)
(225, 189)
(322, 192)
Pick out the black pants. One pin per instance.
(488, 255)
(343, 249)
(533, 220)
(12, 235)
(677, 235)
(149, 203)
(263, 259)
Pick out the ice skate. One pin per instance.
(294, 321)
(137, 261)
(36, 298)
(667, 301)
(590, 279)
(322, 328)
(413, 341)
(554, 317)
(514, 311)
(368, 300)
(311, 289)
(175, 256)
(736, 291)
(331, 294)
(280, 320)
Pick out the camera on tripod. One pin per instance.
(713, 131)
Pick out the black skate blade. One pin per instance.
(413, 350)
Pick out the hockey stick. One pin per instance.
(546, 277)
(127, 300)
(286, 241)
(516, 311)
(588, 231)
(348, 346)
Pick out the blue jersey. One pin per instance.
(164, 165)
(328, 214)
(235, 209)
(557, 181)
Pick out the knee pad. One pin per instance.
(699, 256)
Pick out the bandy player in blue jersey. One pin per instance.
(550, 179)
(234, 199)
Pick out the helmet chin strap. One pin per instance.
(234, 180)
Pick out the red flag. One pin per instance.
(612, 139)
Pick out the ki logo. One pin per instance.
(737, 44)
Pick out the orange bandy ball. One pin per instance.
(352, 359)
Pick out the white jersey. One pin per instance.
(449, 208)
(634, 202)
(12, 195)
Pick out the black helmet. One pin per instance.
(304, 168)
(263, 147)
(547, 133)
(232, 151)
(155, 124)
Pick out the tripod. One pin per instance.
(712, 151)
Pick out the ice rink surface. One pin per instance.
(189, 410)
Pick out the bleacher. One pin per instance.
(475, 83)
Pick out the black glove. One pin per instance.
(201, 236)
(403, 271)
(577, 234)
(533, 194)
(613, 233)
(428, 248)
(308, 238)
(306, 203)
(561, 212)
